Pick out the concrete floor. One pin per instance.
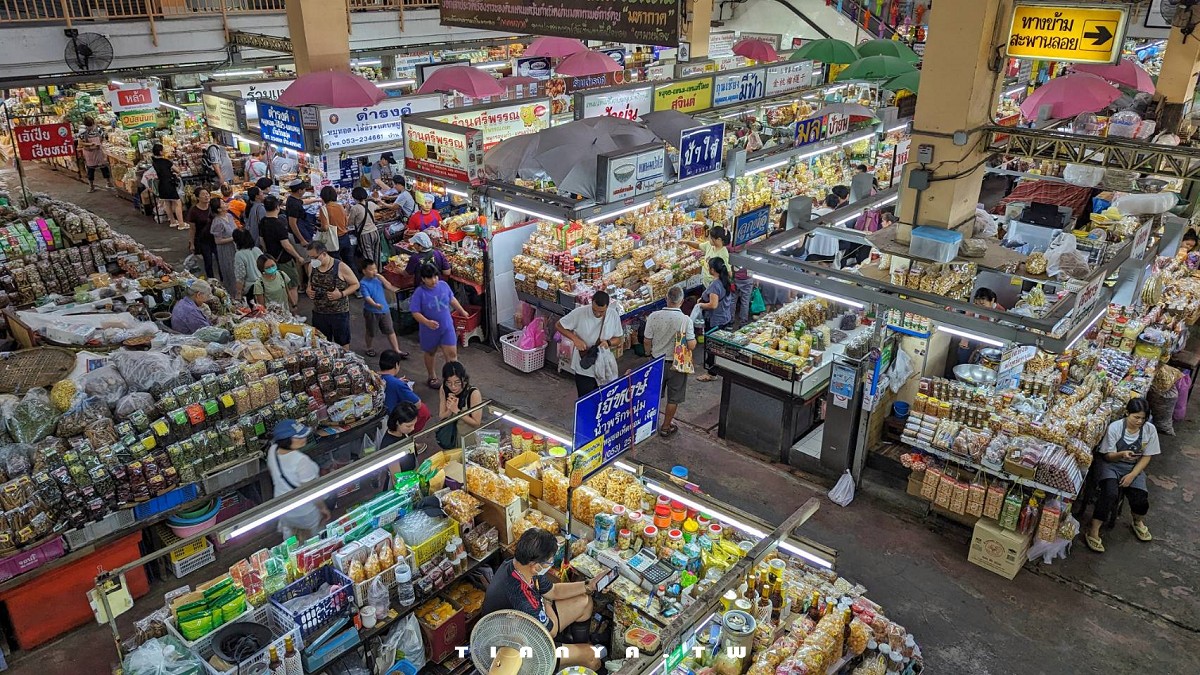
(1133, 609)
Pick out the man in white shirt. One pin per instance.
(589, 329)
(823, 247)
(662, 329)
(290, 468)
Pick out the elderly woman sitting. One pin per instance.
(188, 316)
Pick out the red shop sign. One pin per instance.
(135, 98)
(43, 141)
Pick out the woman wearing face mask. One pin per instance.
(330, 283)
(400, 426)
(521, 584)
(273, 285)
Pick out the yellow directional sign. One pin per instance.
(1074, 33)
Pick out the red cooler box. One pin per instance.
(41, 609)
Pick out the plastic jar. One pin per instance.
(690, 530)
(664, 501)
(715, 532)
(650, 537)
(635, 521)
(619, 511)
(517, 434)
(539, 444)
(527, 442)
(675, 540)
(678, 514)
(624, 540)
(405, 594)
(662, 516)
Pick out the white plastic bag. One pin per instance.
(843, 493)
(985, 223)
(1145, 204)
(405, 642)
(606, 367)
(902, 368)
(1063, 243)
(1083, 175)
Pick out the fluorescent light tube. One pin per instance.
(971, 336)
(369, 62)
(1086, 329)
(811, 557)
(459, 193)
(1014, 90)
(768, 167)
(117, 82)
(491, 65)
(535, 214)
(814, 153)
(898, 127)
(293, 504)
(171, 106)
(531, 427)
(614, 214)
(811, 291)
(860, 137)
(672, 195)
(395, 83)
(622, 465)
(238, 73)
(244, 139)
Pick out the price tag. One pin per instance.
(519, 277)
(649, 263)
(542, 284)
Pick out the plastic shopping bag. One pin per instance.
(533, 335)
(405, 642)
(606, 367)
(843, 493)
(1062, 244)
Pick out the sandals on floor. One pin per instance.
(433, 383)
(1094, 543)
(706, 378)
(1142, 532)
(667, 432)
(371, 353)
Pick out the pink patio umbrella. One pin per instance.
(587, 63)
(332, 88)
(517, 81)
(1126, 73)
(470, 81)
(756, 50)
(555, 47)
(1070, 95)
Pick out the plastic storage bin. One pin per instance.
(524, 360)
(934, 243)
(166, 502)
(312, 620)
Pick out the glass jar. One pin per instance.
(517, 434)
(662, 516)
(678, 514)
(690, 530)
(675, 540)
(715, 532)
(619, 511)
(650, 537)
(624, 540)
(527, 441)
(539, 444)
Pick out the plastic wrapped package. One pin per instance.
(33, 418)
(85, 411)
(163, 656)
(461, 506)
(107, 383)
(16, 459)
(212, 334)
(135, 402)
(143, 371)
(554, 488)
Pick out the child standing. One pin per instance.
(377, 313)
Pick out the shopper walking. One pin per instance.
(297, 218)
(168, 186)
(332, 216)
(245, 265)
(717, 303)
(361, 220)
(377, 311)
(91, 143)
(255, 212)
(290, 468)
(397, 390)
(223, 227)
(202, 243)
(330, 285)
(671, 334)
(456, 396)
(273, 285)
(1124, 455)
(431, 304)
(278, 244)
(589, 329)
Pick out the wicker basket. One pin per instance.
(37, 367)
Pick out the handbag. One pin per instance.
(757, 305)
(447, 436)
(328, 235)
(682, 356)
(587, 357)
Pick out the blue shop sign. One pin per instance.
(751, 225)
(624, 411)
(701, 150)
(280, 125)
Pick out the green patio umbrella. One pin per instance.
(875, 68)
(907, 81)
(826, 50)
(883, 47)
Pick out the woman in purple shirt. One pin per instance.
(430, 305)
(424, 252)
(186, 316)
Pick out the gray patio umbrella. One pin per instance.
(668, 124)
(855, 109)
(513, 158)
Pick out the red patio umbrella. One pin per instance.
(555, 47)
(756, 50)
(587, 63)
(473, 82)
(332, 88)
(517, 80)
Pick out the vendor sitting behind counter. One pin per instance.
(423, 252)
(521, 584)
(188, 315)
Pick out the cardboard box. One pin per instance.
(513, 467)
(1015, 467)
(501, 517)
(914, 483)
(998, 550)
(441, 641)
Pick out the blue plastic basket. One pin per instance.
(312, 620)
(166, 502)
(403, 667)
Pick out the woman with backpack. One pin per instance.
(362, 223)
(717, 303)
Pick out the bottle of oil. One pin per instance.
(291, 658)
(274, 665)
(777, 600)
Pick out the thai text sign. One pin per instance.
(788, 77)
(686, 96)
(43, 141)
(380, 123)
(1069, 33)
(281, 125)
(701, 150)
(739, 87)
(629, 173)
(629, 104)
(132, 97)
(624, 412)
(443, 151)
(502, 122)
(646, 22)
(220, 112)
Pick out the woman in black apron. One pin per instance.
(1128, 445)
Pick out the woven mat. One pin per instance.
(38, 367)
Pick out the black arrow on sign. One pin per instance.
(1099, 36)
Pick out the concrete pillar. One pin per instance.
(697, 24)
(320, 31)
(958, 94)
(1177, 81)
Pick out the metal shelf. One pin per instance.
(998, 473)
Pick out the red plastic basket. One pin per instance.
(466, 324)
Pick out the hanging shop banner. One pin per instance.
(133, 96)
(383, 122)
(701, 150)
(501, 122)
(751, 225)
(836, 124)
(616, 54)
(739, 87)
(252, 91)
(630, 104)
(444, 150)
(281, 125)
(788, 77)
(137, 119)
(220, 112)
(572, 84)
(809, 131)
(43, 141)
(628, 173)
(720, 43)
(537, 67)
(687, 96)
(773, 39)
(624, 412)
(902, 150)
(641, 22)
(1067, 33)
